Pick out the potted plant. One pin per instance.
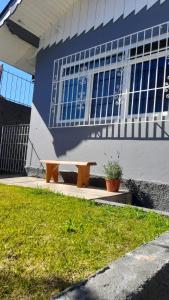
(113, 174)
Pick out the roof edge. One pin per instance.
(9, 10)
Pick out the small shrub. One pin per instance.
(112, 170)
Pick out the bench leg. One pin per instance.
(48, 172)
(52, 171)
(83, 176)
(55, 173)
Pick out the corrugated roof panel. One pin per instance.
(128, 7)
(119, 9)
(140, 5)
(68, 23)
(75, 18)
(59, 32)
(100, 13)
(109, 11)
(85, 4)
(91, 16)
(151, 3)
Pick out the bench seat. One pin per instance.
(52, 170)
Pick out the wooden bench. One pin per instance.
(52, 170)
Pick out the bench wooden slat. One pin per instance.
(64, 162)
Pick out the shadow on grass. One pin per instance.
(14, 286)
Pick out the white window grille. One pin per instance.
(122, 81)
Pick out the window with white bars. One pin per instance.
(125, 80)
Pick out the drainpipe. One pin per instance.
(1, 73)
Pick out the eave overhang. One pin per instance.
(22, 24)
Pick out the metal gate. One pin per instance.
(13, 148)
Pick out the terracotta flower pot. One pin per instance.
(113, 185)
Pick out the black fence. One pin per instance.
(13, 148)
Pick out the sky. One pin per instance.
(3, 3)
(13, 87)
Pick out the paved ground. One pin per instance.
(67, 189)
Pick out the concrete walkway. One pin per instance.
(89, 193)
(142, 274)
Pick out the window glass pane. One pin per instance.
(100, 85)
(137, 81)
(95, 83)
(133, 103)
(143, 99)
(74, 93)
(132, 78)
(145, 74)
(152, 77)
(158, 104)
(150, 103)
(160, 77)
(93, 108)
(112, 82)
(107, 88)
(152, 98)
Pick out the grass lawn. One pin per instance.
(49, 241)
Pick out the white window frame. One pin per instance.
(90, 75)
